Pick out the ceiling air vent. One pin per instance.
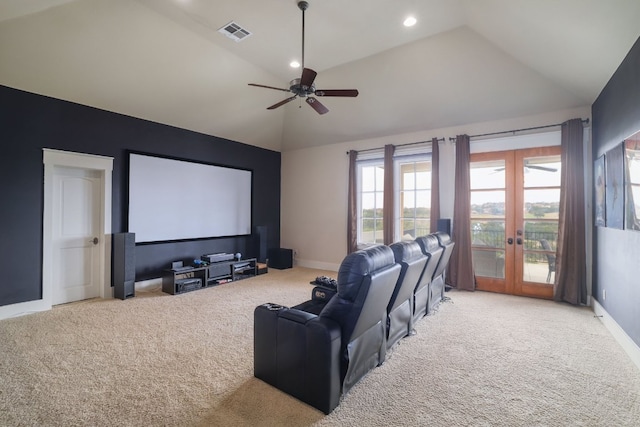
(234, 31)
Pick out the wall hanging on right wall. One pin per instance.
(632, 182)
(614, 191)
(599, 192)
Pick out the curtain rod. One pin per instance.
(585, 121)
(401, 145)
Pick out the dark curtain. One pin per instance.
(352, 205)
(571, 272)
(387, 206)
(435, 186)
(460, 266)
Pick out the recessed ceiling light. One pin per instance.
(410, 21)
(294, 64)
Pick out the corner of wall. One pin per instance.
(627, 344)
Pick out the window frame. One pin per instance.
(398, 161)
(360, 164)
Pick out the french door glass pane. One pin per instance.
(488, 218)
(488, 263)
(488, 204)
(542, 171)
(541, 212)
(540, 242)
(487, 234)
(542, 203)
(487, 175)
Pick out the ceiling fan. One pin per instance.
(304, 87)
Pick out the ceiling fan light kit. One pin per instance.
(304, 86)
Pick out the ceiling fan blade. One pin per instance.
(316, 105)
(274, 106)
(269, 87)
(308, 76)
(337, 92)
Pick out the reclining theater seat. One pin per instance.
(437, 284)
(316, 358)
(432, 249)
(400, 309)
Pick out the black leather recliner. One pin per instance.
(437, 283)
(316, 358)
(432, 249)
(400, 309)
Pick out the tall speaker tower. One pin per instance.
(124, 265)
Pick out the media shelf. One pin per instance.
(181, 281)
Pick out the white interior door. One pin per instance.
(76, 234)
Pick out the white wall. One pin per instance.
(314, 185)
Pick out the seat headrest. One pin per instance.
(359, 264)
(406, 251)
(428, 243)
(444, 238)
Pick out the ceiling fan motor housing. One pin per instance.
(298, 89)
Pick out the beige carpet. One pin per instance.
(187, 360)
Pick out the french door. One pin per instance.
(515, 198)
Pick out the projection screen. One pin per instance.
(173, 199)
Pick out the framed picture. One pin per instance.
(632, 182)
(614, 187)
(600, 192)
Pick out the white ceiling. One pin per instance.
(465, 61)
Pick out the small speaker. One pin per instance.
(124, 265)
(260, 242)
(280, 258)
(444, 225)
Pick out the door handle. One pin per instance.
(95, 240)
(519, 241)
(510, 240)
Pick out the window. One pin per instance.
(370, 199)
(412, 199)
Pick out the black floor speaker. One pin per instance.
(260, 242)
(280, 258)
(124, 265)
(444, 225)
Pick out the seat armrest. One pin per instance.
(320, 296)
(308, 358)
(265, 326)
(324, 377)
(295, 315)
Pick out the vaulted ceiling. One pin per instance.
(465, 61)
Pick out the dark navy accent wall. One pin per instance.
(29, 123)
(616, 116)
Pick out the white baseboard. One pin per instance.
(30, 307)
(628, 345)
(23, 308)
(317, 265)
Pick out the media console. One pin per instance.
(185, 280)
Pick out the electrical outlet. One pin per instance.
(604, 295)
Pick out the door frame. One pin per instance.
(104, 166)
(512, 143)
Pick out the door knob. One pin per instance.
(510, 240)
(519, 241)
(95, 241)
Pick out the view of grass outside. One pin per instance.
(412, 198)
